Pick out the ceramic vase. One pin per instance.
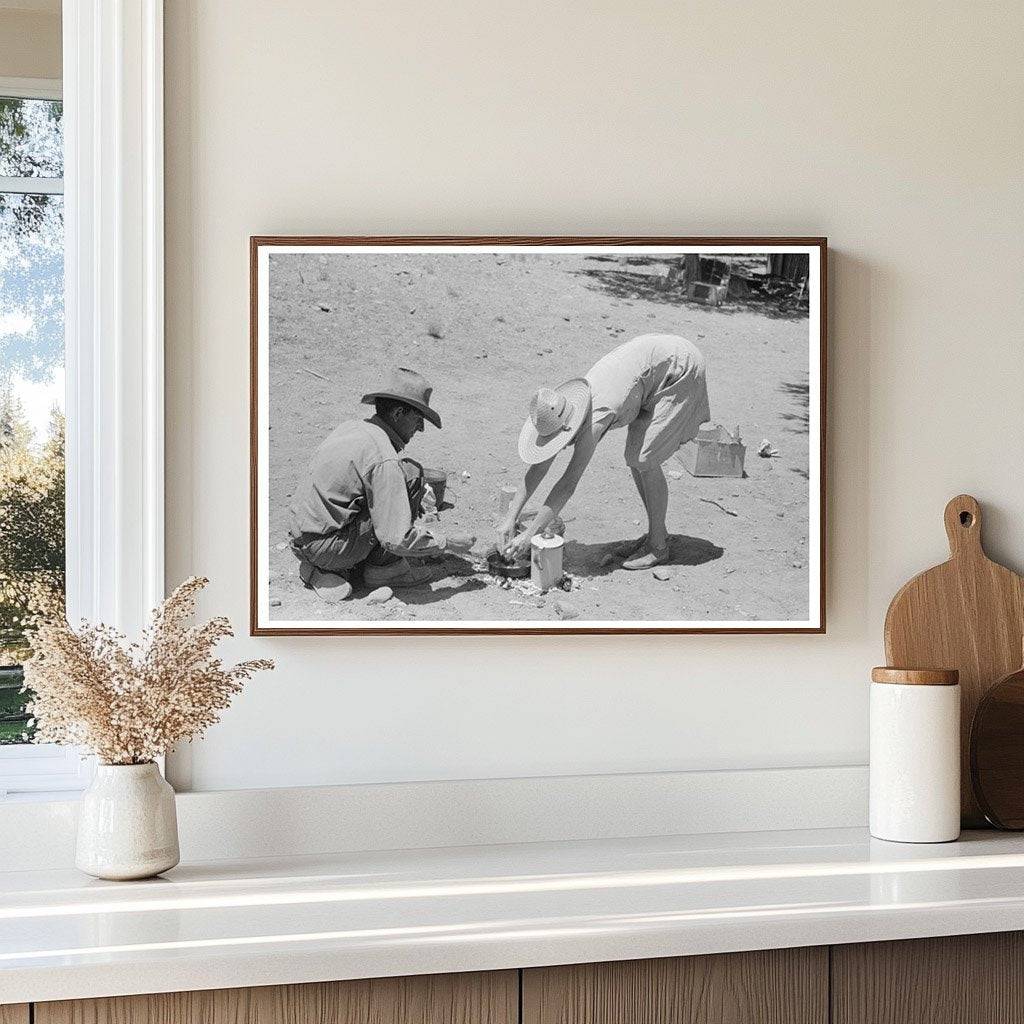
(127, 825)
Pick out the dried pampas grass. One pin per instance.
(129, 703)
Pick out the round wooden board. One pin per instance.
(997, 753)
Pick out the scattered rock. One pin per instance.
(636, 522)
(323, 308)
(281, 546)
(275, 602)
(780, 515)
(675, 474)
(767, 450)
(380, 595)
(565, 610)
(434, 330)
(662, 574)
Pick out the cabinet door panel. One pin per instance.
(960, 979)
(778, 986)
(480, 998)
(14, 1013)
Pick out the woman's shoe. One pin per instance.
(649, 559)
(629, 547)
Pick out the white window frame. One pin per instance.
(114, 325)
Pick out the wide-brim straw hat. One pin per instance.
(410, 387)
(556, 415)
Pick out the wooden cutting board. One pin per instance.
(967, 614)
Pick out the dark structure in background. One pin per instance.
(775, 277)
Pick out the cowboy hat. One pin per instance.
(556, 415)
(404, 385)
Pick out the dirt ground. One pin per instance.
(487, 329)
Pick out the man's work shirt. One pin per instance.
(356, 474)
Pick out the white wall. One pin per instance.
(30, 39)
(895, 129)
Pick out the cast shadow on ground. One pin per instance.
(800, 420)
(453, 566)
(651, 284)
(585, 559)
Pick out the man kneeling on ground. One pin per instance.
(358, 505)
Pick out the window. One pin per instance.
(32, 549)
(109, 207)
(31, 383)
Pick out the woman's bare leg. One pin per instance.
(655, 495)
(638, 479)
(631, 547)
(656, 502)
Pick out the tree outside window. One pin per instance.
(31, 387)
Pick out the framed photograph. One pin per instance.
(537, 435)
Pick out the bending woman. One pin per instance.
(654, 386)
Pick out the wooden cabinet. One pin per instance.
(969, 979)
(482, 998)
(962, 979)
(776, 986)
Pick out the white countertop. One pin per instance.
(261, 922)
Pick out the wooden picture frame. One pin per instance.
(342, 292)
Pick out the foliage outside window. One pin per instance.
(31, 387)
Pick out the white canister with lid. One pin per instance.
(915, 755)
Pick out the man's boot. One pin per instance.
(331, 587)
(400, 573)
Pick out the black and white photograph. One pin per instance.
(537, 435)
